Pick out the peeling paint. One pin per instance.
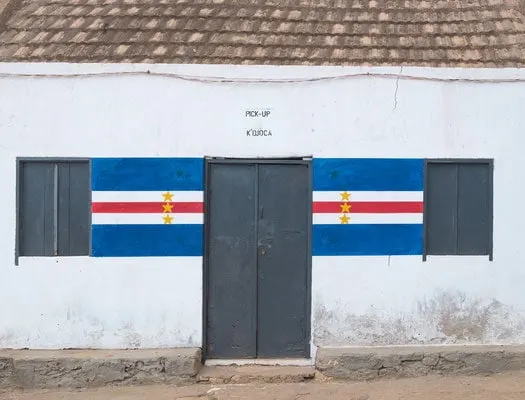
(6, 338)
(462, 319)
(445, 318)
(337, 328)
(132, 339)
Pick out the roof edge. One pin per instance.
(7, 7)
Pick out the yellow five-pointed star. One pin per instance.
(167, 207)
(345, 196)
(344, 219)
(167, 196)
(167, 219)
(345, 208)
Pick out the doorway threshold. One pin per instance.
(293, 362)
(249, 373)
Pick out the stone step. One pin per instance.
(255, 373)
(369, 363)
(45, 369)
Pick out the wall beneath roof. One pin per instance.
(156, 302)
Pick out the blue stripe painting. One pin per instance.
(368, 174)
(147, 174)
(147, 240)
(367, 206)
(367, 240)
(112, 234)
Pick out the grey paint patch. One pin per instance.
(132, 339)
(446, 318)
(80, 328)
(93, 329)
(190, 342)
(462, 319)
(338, 328)
(95, 332)
(6, 338)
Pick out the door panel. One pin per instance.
(258, 267)
(232, 262)
(282, 260)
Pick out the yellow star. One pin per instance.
(167, 207)
(345, 196)
(345, 208)
(167, 196)
(167, 219)
(344, 219)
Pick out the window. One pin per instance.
(53, 208)
(458, 207)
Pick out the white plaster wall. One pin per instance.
(154, 302)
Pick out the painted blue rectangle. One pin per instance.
(129, 174)
(367, 240)
(147, 240)
(368, 174)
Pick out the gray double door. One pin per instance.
(257, 280)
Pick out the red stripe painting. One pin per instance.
(368, 207)
(147, 207)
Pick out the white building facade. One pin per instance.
(357, 298)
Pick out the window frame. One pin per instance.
(22, 160)
(490, 163)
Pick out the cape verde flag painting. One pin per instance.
(147, 207)
(367, 207)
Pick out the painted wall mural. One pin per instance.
(147, 207)
(154, 207)
(367, 206)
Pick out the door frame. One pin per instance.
(208, 162)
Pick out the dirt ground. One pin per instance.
(501, 387)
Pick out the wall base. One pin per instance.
(39, 369)
(402, 362)
(75, 369)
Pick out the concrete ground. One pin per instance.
(509, 386)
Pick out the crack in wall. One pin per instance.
(397, 88)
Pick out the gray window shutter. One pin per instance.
(36, 202)
(441, 209)
(474, 214)
(54, 208)
(458, 208)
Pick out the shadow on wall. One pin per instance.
(447, 318)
